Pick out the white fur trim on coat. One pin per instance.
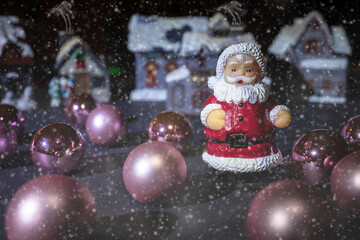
(275, 111)
(242, 164)
(205, 112)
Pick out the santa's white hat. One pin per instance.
(240, 48)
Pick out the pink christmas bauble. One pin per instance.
(106, 125)
(11, 116)
(345, 182)
(171, 127)
(290, 210)
(153, 169)
(351, 133)
(51, 207)
(315, 154)
(8, 142)
(78, 109)
(57, 148)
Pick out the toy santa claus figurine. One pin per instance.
(240, 116)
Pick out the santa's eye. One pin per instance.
(233, 69)
(248, 70)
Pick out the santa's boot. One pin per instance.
(25, 102)
(9, 98)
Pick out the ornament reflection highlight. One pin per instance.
(142, 168)
(279, 220)
(29, 209)
(98, 121)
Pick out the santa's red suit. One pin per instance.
(245, 143)
(255, 121)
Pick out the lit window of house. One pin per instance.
(170, 66)
(151, 73)
(312, 46)
(311, 82)
(326, 84)
(195, 79)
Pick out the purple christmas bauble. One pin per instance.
(57, 148)
(11, 116)
(153, 169)
(290, 210)
(171, 127)
(315, 154)
(8, 142)
(345, 182)
(106, 125)
(351, 133)
(78, 109)
(51, 207)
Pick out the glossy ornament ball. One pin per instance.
(315, 154)
(290, 210)
(106, 125)
(351, 133)
(171, 127)
(57, 148)
(51, 207)
(78, 109)
(11, 116)
(8, 142)
(345, 182)
(153, 169)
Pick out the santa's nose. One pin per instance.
(241, 72)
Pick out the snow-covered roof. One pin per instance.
(290, 34)
(178, 74)
(93, 64)
(218, 21)
(341, 42)
(12, 32)
(193, 43)
(68, 47)
(149, 94)
(324, 63)
(149, 33)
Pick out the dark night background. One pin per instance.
(103, 26)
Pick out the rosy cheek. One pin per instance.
(250, 74)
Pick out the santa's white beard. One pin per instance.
(224, 91)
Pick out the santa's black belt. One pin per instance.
(240, 141)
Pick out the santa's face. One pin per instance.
(242, 69)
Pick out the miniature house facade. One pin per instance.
(67, 66)
(188, 90)
(188, 86)
(176, 56)
(156, 42)
(16, 60)
(320, 54)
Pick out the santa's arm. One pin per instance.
(212, 116)
(280, 115)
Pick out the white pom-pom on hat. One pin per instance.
(240, 48)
